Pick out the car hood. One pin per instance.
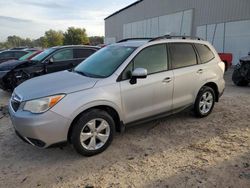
(11, 64)
(51, 84)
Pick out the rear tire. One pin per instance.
(93, 132)
(204, 102)
(238, 79)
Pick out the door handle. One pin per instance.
(200, 71)
(167, 80)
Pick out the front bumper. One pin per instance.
(42, 130)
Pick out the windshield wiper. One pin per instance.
(79, 72)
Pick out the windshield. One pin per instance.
(43, 55)
(104, 62)
(25, 57)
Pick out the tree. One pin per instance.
(74, 36)
(53, 38)
(40, 42)
(14, 41)
(96, 40)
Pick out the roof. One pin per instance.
(135, 3)
(75, 46)
(134, 43)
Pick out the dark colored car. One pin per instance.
(11, 54)
(51, 60)
(241, 74)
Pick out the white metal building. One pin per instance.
(225, 23)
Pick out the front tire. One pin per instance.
(93, 132)
(204, 102)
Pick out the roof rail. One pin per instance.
(128, 39)
(171, 37)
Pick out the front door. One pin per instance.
(61, 60)
(152, 95)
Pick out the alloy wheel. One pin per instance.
(206, 102)
(95, 134)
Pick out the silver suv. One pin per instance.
(127, 82)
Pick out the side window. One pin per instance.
(205, 53)
(153, 58)
(20, 54)
(63, 55)
(83, 53)
(6, 54)
(182, 55)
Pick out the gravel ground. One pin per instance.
(178, 151)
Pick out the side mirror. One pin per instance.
(248, 53)
(48, 61)
(138, 73)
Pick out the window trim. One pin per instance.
(50, 55)
(170, 55)
(94, 51)
(58, 51)
(199, 53)
(119, 79)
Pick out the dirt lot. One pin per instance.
(178, 151)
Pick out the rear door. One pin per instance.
(152, 95)
(80, 54)
(61, 60)
(188, 74)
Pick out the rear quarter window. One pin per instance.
(204, 52)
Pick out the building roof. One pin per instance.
(135, 3)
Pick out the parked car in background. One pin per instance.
(51, 60)
(227, 58)
(127, 82)
(11, 54)
(241, 74)
(30, 55)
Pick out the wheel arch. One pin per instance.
(215, 88)
(108, 108)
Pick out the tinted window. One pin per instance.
(204, 52)
(182, 55)
(6, 54)
(20, 54)
(83, 53)
(105, 61)
(43, 55)
(153, 58)
(63, 55)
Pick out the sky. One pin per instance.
(31, 18)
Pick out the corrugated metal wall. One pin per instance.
(206, 12)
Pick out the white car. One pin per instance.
(127, 82)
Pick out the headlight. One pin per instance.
(42, 105)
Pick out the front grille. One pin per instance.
(15, 102)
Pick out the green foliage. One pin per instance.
(74, 36)
(96, 40)
(53, 38)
